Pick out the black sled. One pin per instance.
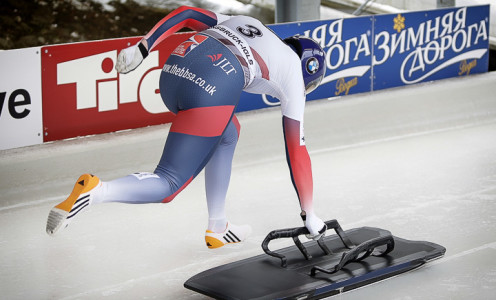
(316, 269)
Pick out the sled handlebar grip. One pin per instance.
(285, 233)
(359, 253)
(295, 233)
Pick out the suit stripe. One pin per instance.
(236, 124)
(203, 121)
(195, 18)
(262, 64)
(171, 197)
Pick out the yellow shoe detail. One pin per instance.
(212, 242)
(233, 234)
(84, 184)
(80, 198)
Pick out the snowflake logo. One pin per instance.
(399, 23)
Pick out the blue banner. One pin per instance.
(348, 47)
(384, 51)
(430, 45)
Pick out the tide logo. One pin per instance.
(185, 47)
(83, 94)
(99, 86)
(223, 63)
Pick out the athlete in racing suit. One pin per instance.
(201, 83)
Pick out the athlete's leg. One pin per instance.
(204, 108)
(189, 148)
(217, 177)
(136, 188)
(186, 152)
(192, 139)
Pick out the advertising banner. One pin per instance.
(348, 47)
(20, 98)
(83, 94)
(430, 45)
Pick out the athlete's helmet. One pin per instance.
(312, 60)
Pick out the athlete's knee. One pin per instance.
(141, 187)
(175, 183)
(231, 135)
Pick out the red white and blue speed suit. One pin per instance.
(201, 83)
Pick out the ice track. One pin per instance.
(419, 161)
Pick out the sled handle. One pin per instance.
(333, 224)
(285, 233)
(359, 253)
(295, 233)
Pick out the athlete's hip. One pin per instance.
(203, 69)
(203, 57)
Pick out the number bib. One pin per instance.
(241, 45)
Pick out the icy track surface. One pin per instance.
(419, 161)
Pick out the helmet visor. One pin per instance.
(312, 85)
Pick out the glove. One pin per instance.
(315, 226)
(130, 58)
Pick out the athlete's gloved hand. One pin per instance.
(130, 58)
(314, 224)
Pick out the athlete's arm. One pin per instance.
(300, 167)
(183, 17)
(293, 107)
(299, 162)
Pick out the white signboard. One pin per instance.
(20, 98)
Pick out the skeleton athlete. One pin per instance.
(201, 82)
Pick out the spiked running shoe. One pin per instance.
(80, 198)
(232, 234)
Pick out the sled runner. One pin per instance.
(316, 269)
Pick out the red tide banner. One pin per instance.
(84, 95)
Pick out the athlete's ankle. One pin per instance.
(217, 224)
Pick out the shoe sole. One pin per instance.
(56, 219)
